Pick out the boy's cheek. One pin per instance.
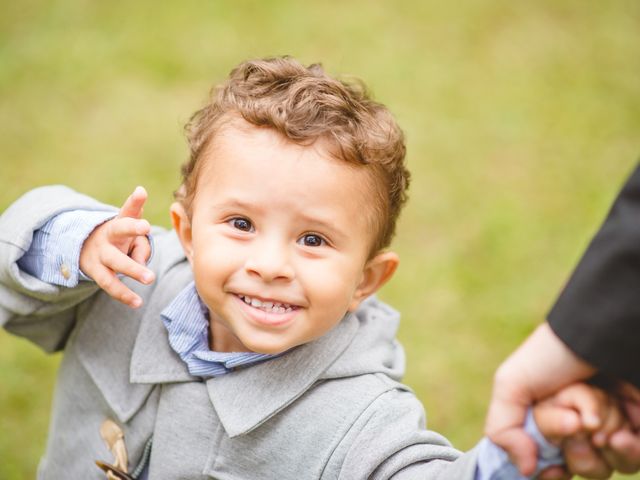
(210, 254)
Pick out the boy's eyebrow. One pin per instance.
(325, 225)
(234, 202)
(318, 221)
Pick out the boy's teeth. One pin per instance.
(271, 307)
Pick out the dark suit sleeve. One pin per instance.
(598, 313)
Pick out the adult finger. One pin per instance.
(108, 281)
(582, 459)
(132, 206)
(555, 473)
(623, 453)
(619, 462)
(628, 391)
(632, 411)
(521, 448)
(140, 250)
(505, 424)
(613, 421)
(556, 423)
(119, 262)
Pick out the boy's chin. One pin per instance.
(267, 348)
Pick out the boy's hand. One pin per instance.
(120, 246)
(581, 419)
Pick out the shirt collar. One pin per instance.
(187, 322)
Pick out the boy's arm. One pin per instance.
(30, 306)
(390, 441)
(54, 253)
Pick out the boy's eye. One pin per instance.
(242, 224)
(312, 240)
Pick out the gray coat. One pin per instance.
(330, 409)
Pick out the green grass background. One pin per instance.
(522, 120)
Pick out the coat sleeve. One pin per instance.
(390, 442)
(42, 312)
(598, 313)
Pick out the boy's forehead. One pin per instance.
(250, 158)
(235, 132)
(238, 145)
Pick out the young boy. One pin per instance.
(254, 348)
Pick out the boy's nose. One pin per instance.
(270, 262)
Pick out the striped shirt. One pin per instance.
(187, 322)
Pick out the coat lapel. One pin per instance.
(248, 397)
(103, 345)
(153, 360)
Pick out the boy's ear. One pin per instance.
(182, 225)
(376, 273)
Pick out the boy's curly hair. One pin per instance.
(304, 104)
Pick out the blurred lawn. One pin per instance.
(522, 120)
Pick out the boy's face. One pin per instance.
(278, 240)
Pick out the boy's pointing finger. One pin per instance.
(134, 203)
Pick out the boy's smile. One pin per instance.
(278, 239)
(270, 313)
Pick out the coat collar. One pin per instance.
(249, 397)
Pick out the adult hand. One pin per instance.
(559, 420)
(120, 246)
(539, 367)
(598, 456)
